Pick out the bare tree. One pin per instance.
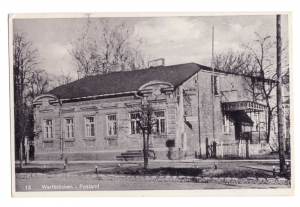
(264, 74)
(236, 63)
(24, 63)
(104, 44)
(39, 82)
(257, 65)
(63, 79)
(146, 122)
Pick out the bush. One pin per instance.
(170, 143)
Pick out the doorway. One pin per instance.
(237, 130)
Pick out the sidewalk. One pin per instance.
(150, 161)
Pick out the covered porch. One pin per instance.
(249, 119)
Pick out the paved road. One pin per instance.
(29, 185)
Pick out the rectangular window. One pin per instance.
(215, 85)
(69, 128)
(90, 126)
(112, 125)
(226, 124)
(134, 123)
(48, 129)
(160, 126)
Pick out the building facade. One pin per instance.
(95, 118)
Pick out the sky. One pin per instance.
(177, 39)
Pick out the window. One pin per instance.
(215, 83)
(89, 126)
(48, 129)
(134, 123)
(160, 126)
(69, 128)
(112, 125)
(226, 124)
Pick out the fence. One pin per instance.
(241, 149)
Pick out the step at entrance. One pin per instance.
(130, 155)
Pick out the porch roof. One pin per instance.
(241, 117)
(247, 106)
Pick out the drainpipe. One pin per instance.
(61, 131)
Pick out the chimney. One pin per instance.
(156, 63)
(118, 67)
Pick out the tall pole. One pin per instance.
(198, 91)
(213, 86)
(279, 96)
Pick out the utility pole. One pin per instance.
(213, 85)
(199, 134)
(279, 96)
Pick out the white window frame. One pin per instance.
(159, 119)
(88, 130)
(114, 123)
(225, 124)
(135, 124)
(69, 126)
(46, 129)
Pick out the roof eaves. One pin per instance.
(99, 96)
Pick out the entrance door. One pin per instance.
(238, 130)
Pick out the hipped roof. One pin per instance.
(127, 81)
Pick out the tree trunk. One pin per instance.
(145, 151)
(269, 124)
(279, 98)
(21, 154)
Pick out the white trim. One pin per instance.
(65, 125)
(45, 95)
(44, 129)
(85, 132)
(165, 118)
(155, 82)
(130, 120)
(117, 120)
(98, 96)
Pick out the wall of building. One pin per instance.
(106, 147)
(231, 89)
(185, 108)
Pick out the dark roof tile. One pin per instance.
(126, 81)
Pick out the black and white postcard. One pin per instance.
(151, 104)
